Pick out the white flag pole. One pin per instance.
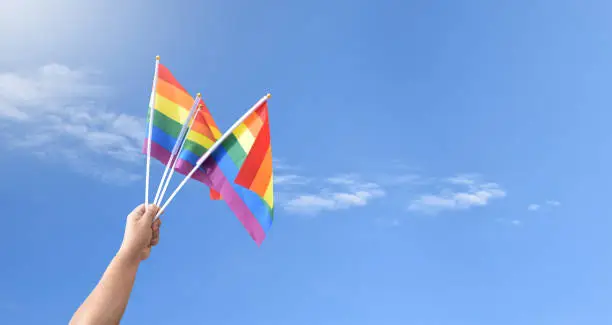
(184, 139)
(210, 151)
(152, 101)
(177, 146)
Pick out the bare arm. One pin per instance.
(106, 304)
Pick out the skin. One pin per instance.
(106, 304)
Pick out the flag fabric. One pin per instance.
(240, 169)
(172, 106)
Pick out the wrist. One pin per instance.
(128, 257)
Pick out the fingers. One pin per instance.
(139, 210)
(155, 227)
(150, 212)
(155, 239)
(156, 224)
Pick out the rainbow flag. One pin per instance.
(172, 106)
(240, 169)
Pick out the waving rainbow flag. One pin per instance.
(171, 110)
(240, 169)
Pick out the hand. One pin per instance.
(141, 233)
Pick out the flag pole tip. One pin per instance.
(269, 95)
(199, 95)
(157, 58)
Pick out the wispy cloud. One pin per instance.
(345, 179)
(468, 191)
(533, 207)
(510, 222)
(282, 166)
(536, 207)
(464, 179)
(290, 179)
(300, 194)
(58, 113)
(344, 191)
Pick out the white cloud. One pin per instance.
(346, 179)
(57, 112)
(473, 193)
(281, 165)
(290, 179)
(348, 191)
(510, 222)
(537, 207)
(463, 179)
(309, 203)
(533, 207)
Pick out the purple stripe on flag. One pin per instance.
(163, 155)
(235, 203)
(184, 167)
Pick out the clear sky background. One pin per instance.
(437, 162)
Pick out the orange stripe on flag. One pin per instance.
(199, 124)
(174, 94)
(264, 175)
(207, 118)
(254, 123)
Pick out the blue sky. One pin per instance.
(438, 162)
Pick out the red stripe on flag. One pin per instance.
(165, 74)
(262, 111)
(214, 195)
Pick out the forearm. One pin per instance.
(106, 303)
